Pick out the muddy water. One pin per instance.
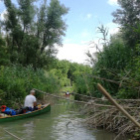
(62, 123)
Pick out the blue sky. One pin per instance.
(82, 21)
(85, 16)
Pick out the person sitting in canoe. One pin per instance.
(67, 94)
(30, 101)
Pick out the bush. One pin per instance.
(16, 82)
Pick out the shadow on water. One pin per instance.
(62, 123)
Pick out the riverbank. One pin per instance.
(102, 115)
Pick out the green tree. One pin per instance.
(12, 27)
(54, 25)
(128, 17)
(26, 13)
(110, 65)
(4, 56)
(31, 34)
(41, 21)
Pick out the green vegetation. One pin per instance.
(28, 34)
(27, 39)
(16, 82)
(31, 31)
(117, 66)
(71, 75)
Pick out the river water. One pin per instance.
(61, 123)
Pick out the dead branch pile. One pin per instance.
(110, 118)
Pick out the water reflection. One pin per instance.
(62, 123)
(28, 129)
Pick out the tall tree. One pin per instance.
(27, 13)
(4, 56)
(54, 25)
(41, 21)
(128, 17)
(31, 35)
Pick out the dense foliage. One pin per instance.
(117, 66)
(128, 17)
(31, 32)
(28, 35)
(16, 82)
(72, 74)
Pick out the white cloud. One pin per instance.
(114, 31)
(113, 2)
(88, 16)
(112, 28)
(2, 15)
(73, 52)
(76, 52)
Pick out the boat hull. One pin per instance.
(45, 109)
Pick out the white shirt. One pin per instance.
(29, 101)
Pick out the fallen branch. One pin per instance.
(108, 96)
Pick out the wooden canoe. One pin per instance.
(46, 108)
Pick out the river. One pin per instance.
(62, 123)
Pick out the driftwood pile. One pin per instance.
(108, 117)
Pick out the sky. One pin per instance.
(82, 21)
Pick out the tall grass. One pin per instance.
(16, 82)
